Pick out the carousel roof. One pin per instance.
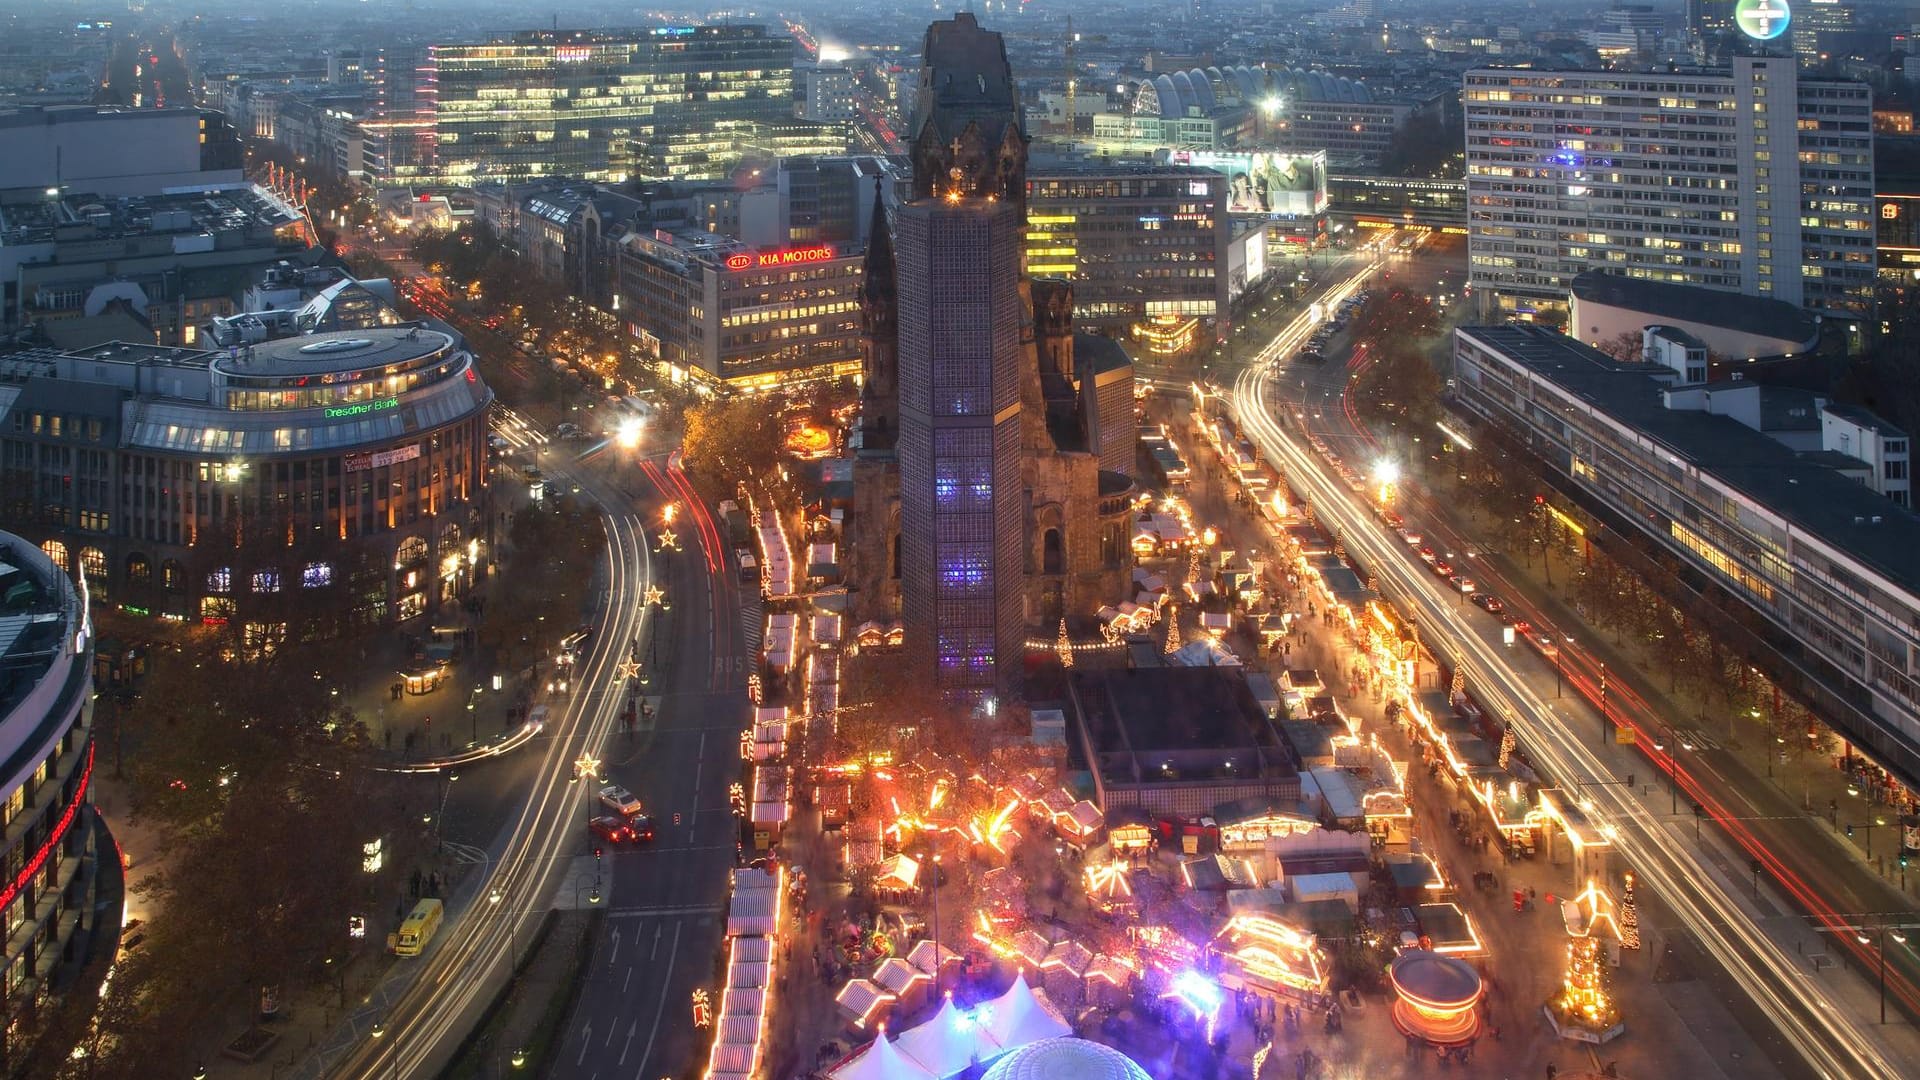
(1063, 1058)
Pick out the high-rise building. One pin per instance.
(958, 253)
(1707, 22)
(672, 101)
(1750, 179)
(46, 720)
(1816, 27)
(1014, 433)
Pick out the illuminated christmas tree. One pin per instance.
(1460, 675)
(1629, 916)
(1173, 630)
(1062, 647)
(1507, 744)
(1585, 1000)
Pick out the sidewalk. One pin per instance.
(1672, 1029)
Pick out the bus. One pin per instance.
(418, 929)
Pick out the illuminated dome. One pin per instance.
(1066, 1058)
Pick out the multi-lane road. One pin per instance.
(665, 902)
(1827, 1033)
(416, 1031)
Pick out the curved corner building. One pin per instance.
(362, 456)
(46, 761)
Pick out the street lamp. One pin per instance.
(439, 818)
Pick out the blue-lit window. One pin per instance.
(220, 580)
(316, 575)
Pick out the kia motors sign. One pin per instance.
(767, 260)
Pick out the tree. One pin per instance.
(732, 439)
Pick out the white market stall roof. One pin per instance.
(860, 999)
(921, 955)
(901, 873)
(753, 912)
(897, 975)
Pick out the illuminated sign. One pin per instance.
(1762, 20)
(361, 408)
(787, 257)
(363, 462)
(573, 54)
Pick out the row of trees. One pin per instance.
(1400, 385)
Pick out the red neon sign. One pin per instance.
(786, 257)
(59, 832)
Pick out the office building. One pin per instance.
(1750, 179)
(1006, 515)
(1708, 21)
(829, 199)
(707, 306)
(671, 101)
(350, 461)
(1817, 27)
(115, 152)
(46, 722)
(1770, 497)
(1135, 241)
(165, 262)
(1383, 201)
(830, 91)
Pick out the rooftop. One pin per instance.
(1814, 498)
(342, 351)
(85, 217)
(1696, 304)
(1176, 723)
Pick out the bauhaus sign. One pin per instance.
(766, 260)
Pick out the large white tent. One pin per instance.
(950, 1043)
(1017, 1018)
(881, 1061)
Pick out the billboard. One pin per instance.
(1263, 184)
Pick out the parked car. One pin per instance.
(620, 801)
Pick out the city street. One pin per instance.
(1822, 1019)
(414, 1020)
(666, 901)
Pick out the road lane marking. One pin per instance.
(631, 1031)
(586, 1039)
(655, 953)
(659, 1010)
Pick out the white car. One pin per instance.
(620, 801)
(1412, 538)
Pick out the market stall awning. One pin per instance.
(1016, 1018)
(881, 1060)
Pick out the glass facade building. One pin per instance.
(1135, 241)
(606, 105)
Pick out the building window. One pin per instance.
(266, 581)
(172, 577)
(220, 579)
(93, 563)
(57, 551)
(316, 575)
(139, 569)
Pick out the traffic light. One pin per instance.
(596, 851)
(1849, 832)
(1903, 860)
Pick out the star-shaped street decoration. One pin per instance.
(669, 541)
(655, 594)
(628, 669)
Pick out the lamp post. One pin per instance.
(587, 766)
(439, 841)
(1884, 930)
